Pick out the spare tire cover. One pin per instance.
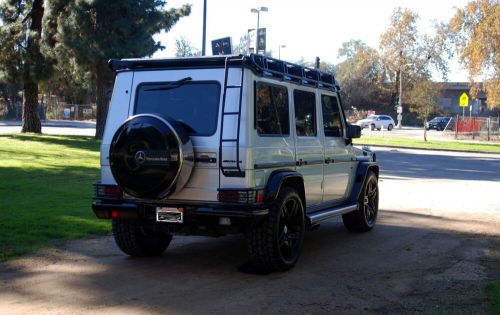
(151, 156)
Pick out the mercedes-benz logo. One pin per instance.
(140, 157)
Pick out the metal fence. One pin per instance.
(475, 128)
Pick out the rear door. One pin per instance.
(338, 163)
(308, 146)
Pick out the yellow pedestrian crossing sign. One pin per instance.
(464, 100)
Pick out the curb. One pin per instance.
(426, 149)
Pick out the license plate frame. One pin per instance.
(169, 215)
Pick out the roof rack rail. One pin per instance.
(288, 71)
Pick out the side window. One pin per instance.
(271, 110)
(305, 113)
(332, 119)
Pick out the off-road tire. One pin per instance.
(263, 240)
(365, 217)
(134, 240)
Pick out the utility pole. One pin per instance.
(400, 105)
(204, 27)
(258, 10)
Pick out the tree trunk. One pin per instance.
(31, 120)
(425, 130)
(102, 99)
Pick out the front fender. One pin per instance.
(361, 175)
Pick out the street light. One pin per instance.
(279, 50)
(257, 10)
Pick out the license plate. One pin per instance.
(169, 215)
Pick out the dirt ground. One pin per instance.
(435, 247)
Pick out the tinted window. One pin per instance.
(271, 110)
(193, 104)
(305, 113)
(332, 119)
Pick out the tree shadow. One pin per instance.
(77, 142)
(428, 166)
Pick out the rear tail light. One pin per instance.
(241, 196)
(108, 191)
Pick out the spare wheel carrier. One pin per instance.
(151, 156)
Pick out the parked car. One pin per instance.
(377, 122)
(230, 144)
(438, 123)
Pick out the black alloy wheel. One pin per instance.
(365, 217)
(290, 229)
(275, 243)
(370, 201)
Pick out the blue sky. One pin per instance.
(307, 28)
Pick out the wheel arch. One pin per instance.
(281, 178)
(361, 174)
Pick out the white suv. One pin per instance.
(377, 122)
(230, 144)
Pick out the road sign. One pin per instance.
(261, 39)
(221, 46)
(464, 100)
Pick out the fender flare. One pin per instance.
(276, 180)
(360, 179)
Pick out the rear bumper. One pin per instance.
(104, 210)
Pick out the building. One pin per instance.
(450, 98)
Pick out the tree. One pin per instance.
(242, 47)
(475, 31)
(361, 76)
(409, 54)
(424, 100)
(95, 31)
(183, 48)
(21, 58)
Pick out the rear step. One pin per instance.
(325, 214)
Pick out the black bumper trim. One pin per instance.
(127, 210)
(131, 211)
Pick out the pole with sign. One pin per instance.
(464, 102)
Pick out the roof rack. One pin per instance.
(263, 65)
(288, 71)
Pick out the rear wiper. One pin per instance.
(171, 85)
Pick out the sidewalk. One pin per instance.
(53, 123)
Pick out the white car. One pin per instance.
(230, 144)
(377, 122)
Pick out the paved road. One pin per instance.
(54, 127)
(435, 247)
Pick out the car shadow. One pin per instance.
(409, 263)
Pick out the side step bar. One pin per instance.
(325, 214)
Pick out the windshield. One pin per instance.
(193, 104)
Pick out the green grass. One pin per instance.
(46, 191)
(417, 143)
(493, 292)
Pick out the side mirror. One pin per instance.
(353, 131)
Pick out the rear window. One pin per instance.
(194, 104)
(271, 110)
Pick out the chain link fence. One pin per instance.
(474, 128)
